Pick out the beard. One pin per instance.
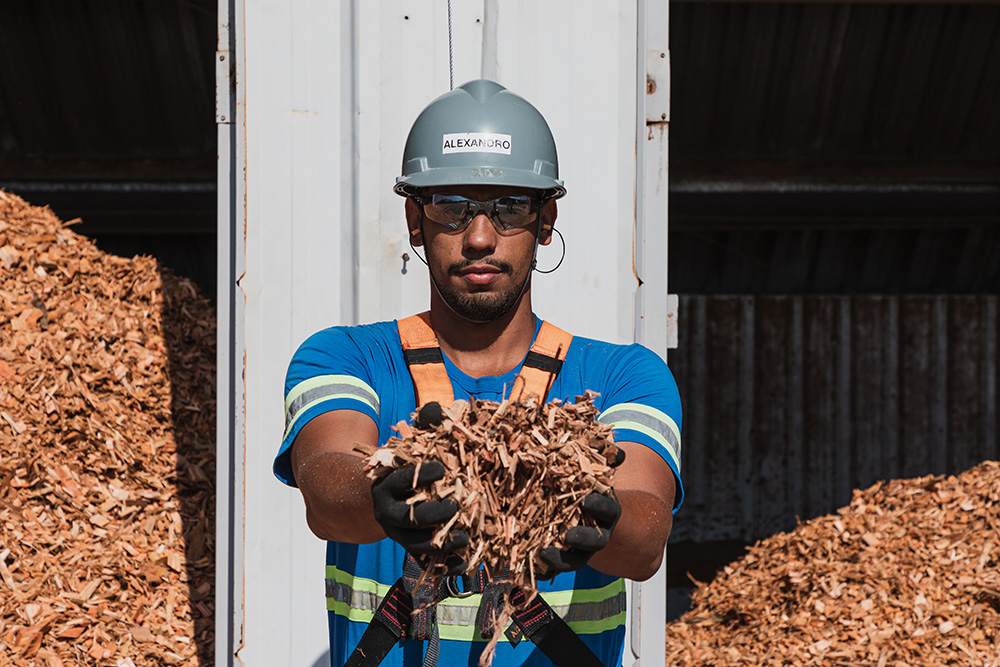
(481, 306)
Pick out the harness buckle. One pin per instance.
(453, 589)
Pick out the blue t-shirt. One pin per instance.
(362, 369)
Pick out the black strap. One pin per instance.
(494, 595)
(423, 355)
(407, 609)
(423, 620)
(543, 362)
(536, 620)
(391, 620)
(550, 633)
(563, 646)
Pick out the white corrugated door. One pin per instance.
(324, 96)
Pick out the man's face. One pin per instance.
(480, 271)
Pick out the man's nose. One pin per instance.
(481, 235)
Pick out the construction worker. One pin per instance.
(480, 178)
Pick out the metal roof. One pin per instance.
(847, 89)
(844, 89)
(847, 148)
(815, 147)
(116, 88)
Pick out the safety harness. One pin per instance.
(430, 378)
(409, 610)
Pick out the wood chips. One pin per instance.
(908, 575)
(107, 422)
(518, 473)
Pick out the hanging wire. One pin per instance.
(451, 53)
(534, 263)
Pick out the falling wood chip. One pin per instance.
(517, 495)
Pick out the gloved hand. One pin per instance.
(582, 542)
(414, 526)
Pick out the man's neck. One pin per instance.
(489, 348)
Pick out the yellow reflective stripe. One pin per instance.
(321, 380)
(649, 421)
(470, 633)
(456, 619)
(645, 430)
(355, 582)
(457, 616)
(316, 390)
(657, 417)
(554, 598)
(364, 595)
(558, 598)
(597, 627)
(352, 614)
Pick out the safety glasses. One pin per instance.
(506, 213)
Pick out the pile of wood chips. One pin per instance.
(107, 422)
(907, 575)
(517, 470)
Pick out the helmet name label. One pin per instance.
(476, 142)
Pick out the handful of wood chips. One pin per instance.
(518, 471)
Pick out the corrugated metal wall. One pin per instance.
(785, 255)
(791, 402)
(862, 80)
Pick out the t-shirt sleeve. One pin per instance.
(329, 371)
(641, 401)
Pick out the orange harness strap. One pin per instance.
(430, 378)
(424, 359)
(543, 363)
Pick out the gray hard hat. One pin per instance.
(480, 134)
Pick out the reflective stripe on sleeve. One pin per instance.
(586, 611)
(648, 421)
(321, 388)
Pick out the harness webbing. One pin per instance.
(425, 360)
(400, 611)
(549, 633)
(408, 608)
(430, 377)
(390, 623)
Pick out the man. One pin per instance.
(480, 177)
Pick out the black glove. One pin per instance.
(429, 415)
(414, 526)
(583, 541)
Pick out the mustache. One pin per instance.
(456, 268)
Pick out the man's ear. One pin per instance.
(414, 216)
(547, 216)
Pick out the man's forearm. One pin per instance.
(338, 498)
(637, 543)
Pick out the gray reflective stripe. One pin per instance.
(363, 600)
(615, 416)
(460, 614)
(465, 615)
(592, 611)
(325, 390)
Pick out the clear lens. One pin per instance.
(449, 210)
(513, 211)
(456, 212)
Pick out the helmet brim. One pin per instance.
(409, 185)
